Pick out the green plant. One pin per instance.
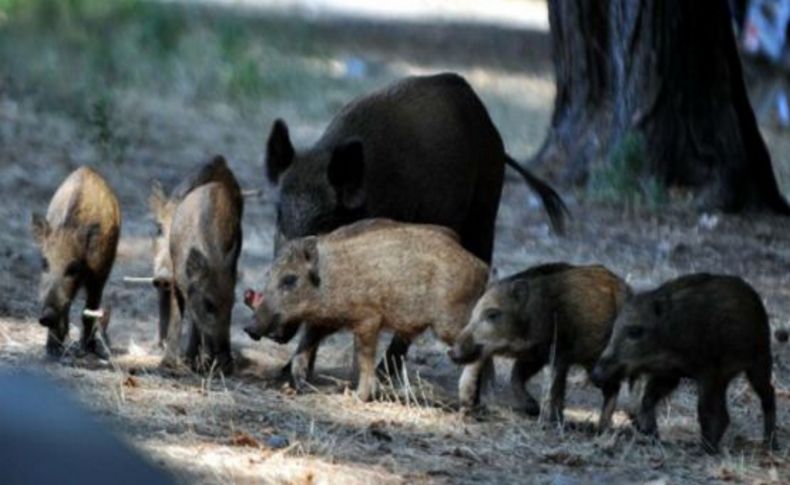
(103, 132)
(624, 177)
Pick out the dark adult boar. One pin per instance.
(705, 327)
(556, 307)
(369, 276)
(422, 150)
(78, 240)
(162, 208)
(205, 243)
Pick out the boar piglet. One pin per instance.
(705, 327)
(78, 240)
(205, 243)
(555, 308)
(162, 208)
(368, 276)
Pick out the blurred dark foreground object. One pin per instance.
(46, 437)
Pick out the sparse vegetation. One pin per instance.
(173, 83)
(624, 179)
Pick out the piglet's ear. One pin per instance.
(197, 265)
(279, 151)
(346, 173)
(519, 290)
(310, 249)
(39, 227)
(157, 199)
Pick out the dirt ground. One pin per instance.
(249, 428)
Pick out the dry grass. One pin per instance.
(222, 430)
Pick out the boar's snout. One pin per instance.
(465, 351)
(48, 318)
(254, 331)
(605, 370)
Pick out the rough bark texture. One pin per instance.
(669, 71)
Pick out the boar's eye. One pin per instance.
(493, 315)
(288, 281)
(159, 231)
(209, 306)
(44, 265)
(634, 332)
(73, 268)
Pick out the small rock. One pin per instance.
(276, 442)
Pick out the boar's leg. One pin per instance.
(392, 363)
(173, 344)
(165, 301)
(300, 368)
(523, 370)
(220, 351)
(469, 384)
(94, 339)
(610, 391)
(712, 412)
(760, 378)
(656, 388)
(559, 376)
(56, 336)
(195, 348)
(366, 339)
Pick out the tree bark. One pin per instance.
(669, 71)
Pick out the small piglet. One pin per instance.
(706, 327)
(554, 313)
(368, 276)
(78, 241)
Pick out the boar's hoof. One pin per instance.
(54, 348)
(98, 347)
(530, 407)
(647, 426)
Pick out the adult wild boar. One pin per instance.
(205, 243)
(78, 240)
(552, 314)
(422, 150)
(706, 327)
(162, 207)
(368, 276)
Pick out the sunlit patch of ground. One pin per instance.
(199, 100)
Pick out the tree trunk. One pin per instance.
(668, 71)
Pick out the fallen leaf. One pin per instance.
(131, 382)
(180, 410)
(240, 438)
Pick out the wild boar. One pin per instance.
(205, 243)
(162, 208)
(78, 241)
(422, 150)
(706, 327)
(368, 276)
(555, 308)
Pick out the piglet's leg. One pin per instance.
(523, 369)
(469, 383)
(559, 377)
(366, 338)
(173, 344)
(655, 389)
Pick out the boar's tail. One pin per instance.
(550, 198)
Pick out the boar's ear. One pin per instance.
(310, 249)
(157, 199)
(39, 227)
(346, 173)
(197, 264)
(661, 306)
(279, 151)
(519, 290)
